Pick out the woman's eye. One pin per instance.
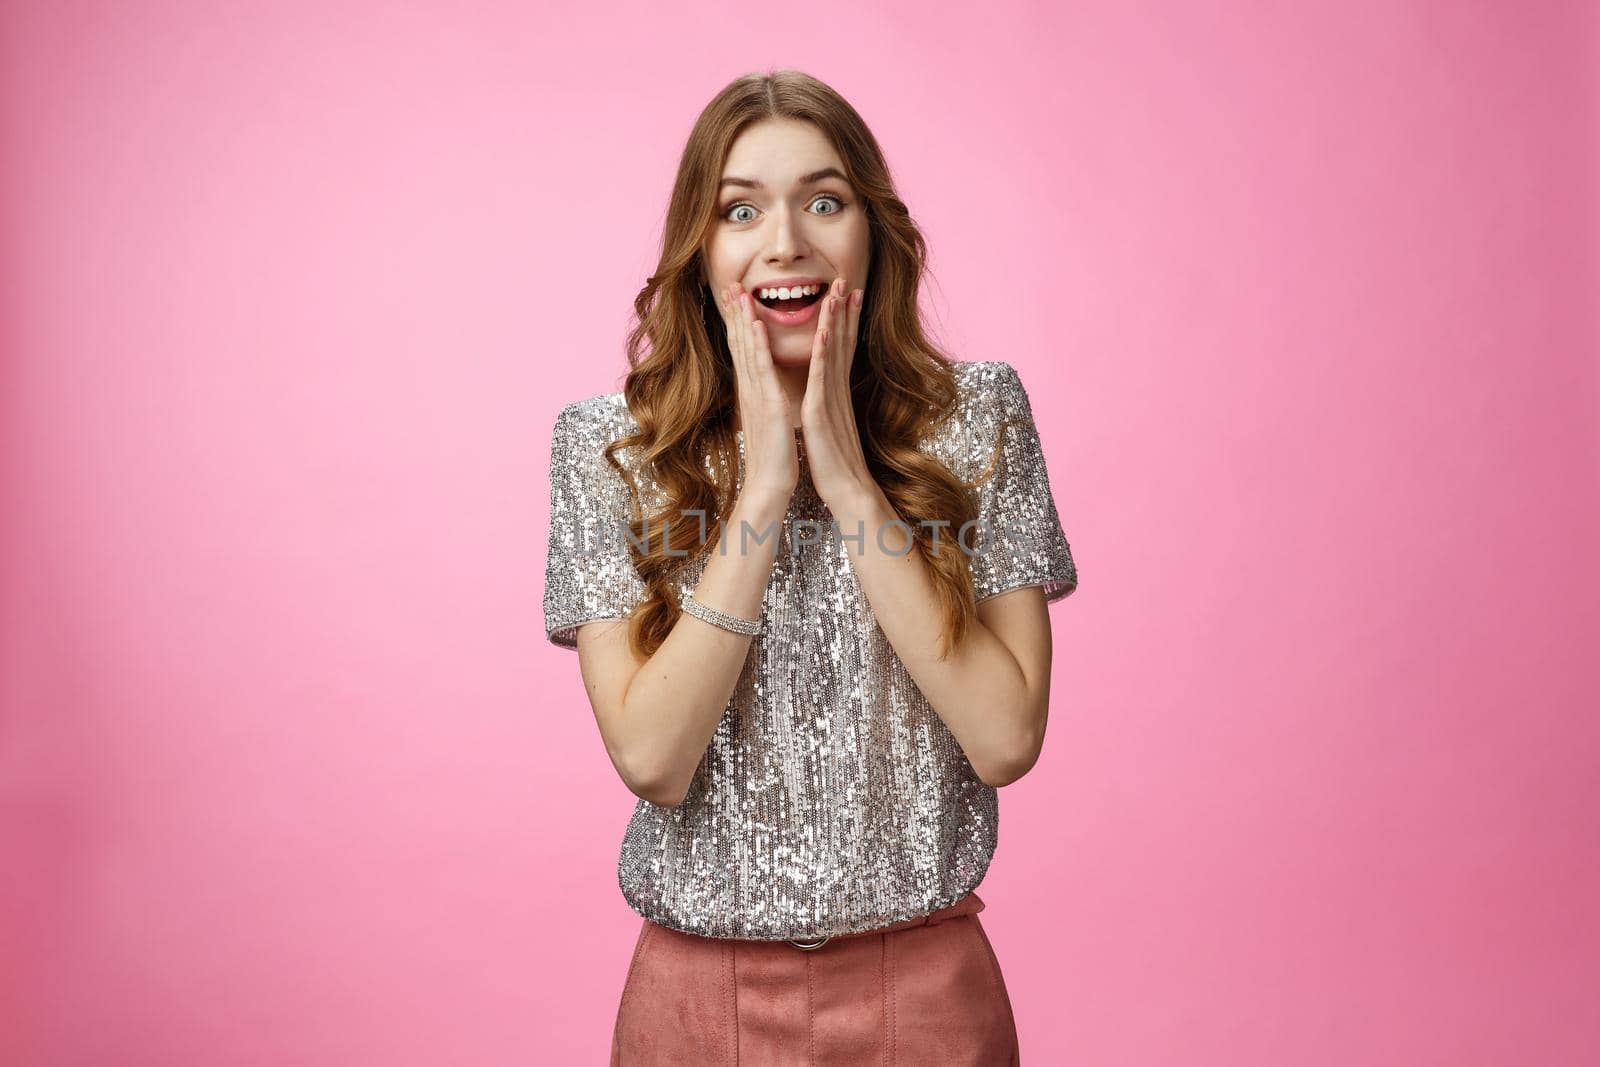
(729, 215)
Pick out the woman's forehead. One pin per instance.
(780, 151)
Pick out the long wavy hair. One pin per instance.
(681, 387)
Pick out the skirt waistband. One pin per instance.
(970, 904)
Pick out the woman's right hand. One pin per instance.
(771, 460)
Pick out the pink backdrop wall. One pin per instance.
(1304, 296)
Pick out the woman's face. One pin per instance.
(786, 215)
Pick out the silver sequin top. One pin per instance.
(832, 798)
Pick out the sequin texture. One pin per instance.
(832, 798)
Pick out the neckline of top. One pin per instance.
(740, 433)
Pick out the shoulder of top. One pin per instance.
(983, 401)
(595, 405)
(607, 411)
(977, 373)
(989, 383)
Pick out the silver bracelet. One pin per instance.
(717, 618)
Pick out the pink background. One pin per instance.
(1304, 297)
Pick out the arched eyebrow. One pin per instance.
(805, 179)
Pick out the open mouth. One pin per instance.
(808, 295)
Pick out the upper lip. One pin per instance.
(789, 283)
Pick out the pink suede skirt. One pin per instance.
(924, 991)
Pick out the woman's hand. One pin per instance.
(771, 461)
(833, 443)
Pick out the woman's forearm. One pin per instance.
(677, 697)
(980, 691)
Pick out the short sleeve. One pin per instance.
(1024, 543)
(589, 573)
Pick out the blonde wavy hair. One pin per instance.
(681, 387)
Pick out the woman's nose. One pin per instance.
(788, 238)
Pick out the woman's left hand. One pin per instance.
(827, 414)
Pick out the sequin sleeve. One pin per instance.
(1026, 545)
(589, 573)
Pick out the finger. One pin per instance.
(816, 375)
(853, 326)
(730, 320)
(819, 344)
(748, 383)
(758, 353)
(838, 370)
(728, 309)
(761, 353)
(741, 326)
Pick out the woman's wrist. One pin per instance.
(866, 502)
(761, 509)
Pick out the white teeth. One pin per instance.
(784, 293)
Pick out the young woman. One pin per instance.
(804, 558)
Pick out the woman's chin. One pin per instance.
(784, 356)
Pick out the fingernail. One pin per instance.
(855, 297)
